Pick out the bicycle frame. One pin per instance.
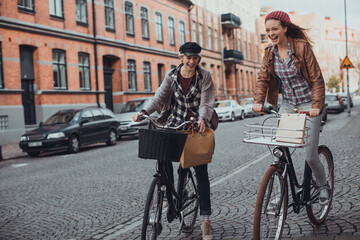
(161, 172)
(300, 197)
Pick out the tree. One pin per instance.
(333, 83)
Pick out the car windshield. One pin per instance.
(62, 117)
(133, 106)
(331, 98)
(246, 101)
(222, 104)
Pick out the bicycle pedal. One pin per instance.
(187, 229)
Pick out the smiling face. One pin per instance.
(275, 31)
(190, 62)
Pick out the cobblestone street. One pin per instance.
(93, 195)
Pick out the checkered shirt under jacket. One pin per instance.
(181, 103)
(294, 87)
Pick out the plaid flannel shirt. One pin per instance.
(294, 88)
(184, 102)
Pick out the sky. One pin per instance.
(324, 8)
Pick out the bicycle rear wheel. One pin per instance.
(317, 213)
(190, 201)
(151, 226)
(271, 205)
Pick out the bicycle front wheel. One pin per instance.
(271, 205)
(190, 201)
(316, 212)
(151, 226)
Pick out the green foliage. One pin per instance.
(333, 83)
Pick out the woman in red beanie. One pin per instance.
(289, 67)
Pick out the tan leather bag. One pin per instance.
(291, 128)
(198, 149)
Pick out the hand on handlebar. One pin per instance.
(137, 117)
(314, 112)
(257, 107)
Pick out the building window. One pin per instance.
(129, 13)
(201, 34)
(218, 77)
(193, 31)
(27, 5)
(171, 27)
(84, 71)
(81, 11)
(56, 8)
(216, 40)
(132, 75)
(241, 80)
(160, 73)
(109, 15)
(147, 76)
(144, 22)
(182, 32)
(59, 69)
(158, 30)
(209, 38)
(249, 55)
(1, 69)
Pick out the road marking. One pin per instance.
(137, 221)
(19, 165)
(237, 170)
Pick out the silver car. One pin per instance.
(229, 110)
(127, 126)
(247, 104)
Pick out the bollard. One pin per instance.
(1, 158)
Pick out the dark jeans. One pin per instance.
(202, 178)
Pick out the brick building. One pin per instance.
(58, 54)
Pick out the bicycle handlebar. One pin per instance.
(145, 116)
(270, 109)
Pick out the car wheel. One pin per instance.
(324, 116)
(232, 117)
(242, 116)
(74, 144)
(112, 138)
(33, 154)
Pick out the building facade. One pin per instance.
(58, 54)
(228, 33)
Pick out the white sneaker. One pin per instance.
(324, 195)
(206, 230)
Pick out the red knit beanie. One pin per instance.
(279, 15)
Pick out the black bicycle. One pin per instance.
(272, 200)
(165, 145)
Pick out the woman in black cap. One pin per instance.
(193, 94)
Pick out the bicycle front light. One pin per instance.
(277, 152)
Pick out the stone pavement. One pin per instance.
(233, 198)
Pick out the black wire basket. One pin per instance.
(165, 145)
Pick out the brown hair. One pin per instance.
(295, 31)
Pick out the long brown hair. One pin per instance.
(296, 31)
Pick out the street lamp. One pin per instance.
(347, 69)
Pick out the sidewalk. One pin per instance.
(11, 151)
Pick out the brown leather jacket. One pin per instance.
(306, 65)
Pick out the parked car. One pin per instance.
(127, 126)
(71, 129)
(247, 104)
(334, 103)
(343, 97)
(229, 110)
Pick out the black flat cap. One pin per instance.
(190, 49)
